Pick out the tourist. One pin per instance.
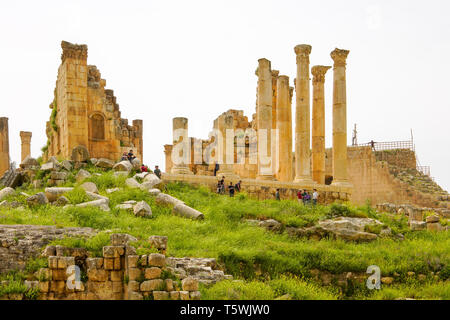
(144, 168)
(131, 156)
(216, 168)
(124, 157)
(222, 185)
(277, 195)
(299, 197)
(237, 187)
(219, 186)
(157, 172)
(307, 198)
(231, 189)
(315, 196)
(304, 196)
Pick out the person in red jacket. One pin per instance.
(300, 197)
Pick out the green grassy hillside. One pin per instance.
(267, 265)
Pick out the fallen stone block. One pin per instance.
(54, 193)
(123, 166)
(165, 199)
(142, 209)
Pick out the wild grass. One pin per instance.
(245, 251)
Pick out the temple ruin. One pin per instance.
(356, 173)
(85, 114)
(273, 114)
(4, 146)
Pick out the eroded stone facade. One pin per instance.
(85, 113)
(4, 146)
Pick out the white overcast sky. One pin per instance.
(197, 59)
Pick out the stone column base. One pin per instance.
(342, 183)
(181, 170)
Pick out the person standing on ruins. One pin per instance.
(222, 185)
(216, 168)
(300, 196)
(124, 157)
(157, 172)
(237, 187)
(315, 196)
(231, 189)
(277, 195)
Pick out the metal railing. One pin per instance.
(390, 145)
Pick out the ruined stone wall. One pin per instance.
(19, 243)
(404, 158)
(84, 113)
(4, 146)
(264, 189)
(373, 180)
(119, 274)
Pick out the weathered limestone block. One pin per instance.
(184, 295)
(195, 295)
(133, 261)
(160, 295)
(95, 196)
(174, 295)
(188, 212)
(121, 239)
(134, 273)
(82, 175)
(158, 242)
(169, 285)
(136, 163)
(104, 163)
(67, 165)
(135, 296)
(49, 166)
(123, 166)
(154, 192)
(271, 225)
(29, 163)
(58, 175)
(142, 209)
(152, 179)
(97, 274)
(417, 225)
(165, 199)
(54, 193)
(152, 273)
(89, 187)
(113, 251)
(103, 204)
(94, 263)
(433, 219)
(189, 284)
(80, 154)
(132, 183)
(6, 192)
(152, 285)
(37, 199)
(156, 260)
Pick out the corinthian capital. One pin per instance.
(263, 65)
(74, 51)
(302, 51)
(318, 73)
(339, 57)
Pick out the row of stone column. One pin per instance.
(267, 107)
(25, 138)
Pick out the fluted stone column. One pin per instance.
(168, 153)
(225, 125)
(264, 119)
(284, 127)
(302, 116)
(273, 140)
(4, 146)
(318, 124)
(340, 176)
(25, 138)
(181, 149)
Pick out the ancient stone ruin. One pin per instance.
(86, 114)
